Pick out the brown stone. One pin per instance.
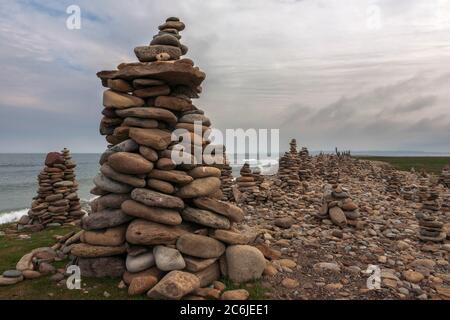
(112, 99)
(84, 250)
(106, 237)
(129, 163)
(226, 209)
(199, 188)
(160, 215)
(153, 138)
(140, 285)
(149, 233)
(174, 286)
(200, 246)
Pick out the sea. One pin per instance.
(18, 176)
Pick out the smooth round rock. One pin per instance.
(200, 246)
(244, 263)
(168, 259)
(129, 163)
(140, 262)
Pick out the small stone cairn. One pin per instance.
(247, 185)
(445, 177)
(57, 201)
(226, 179)
(305, 172)
(338, 206)
(289, 167)
(159, 223)
(430, 229)
(393, 182)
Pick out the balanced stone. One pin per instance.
(140, 263)
(200, 246)
(168, 259)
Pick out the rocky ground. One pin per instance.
(309, 257)
(314, 259)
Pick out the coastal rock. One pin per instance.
(84, 250)
(234, 213)
(140, 285)
(107, 218)
(199, 188)
(156, 199)
(105, 237)
(112, 99)
(109, 185)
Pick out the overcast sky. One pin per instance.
(357, 74)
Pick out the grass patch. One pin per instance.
(429, 164)
(254, 288)
(13, 248)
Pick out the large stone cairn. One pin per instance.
(430, 228)
(57, 201)
(158, 223)
(289, 166)
(338, 206)
(445, 176)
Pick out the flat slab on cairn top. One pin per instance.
(163, 220)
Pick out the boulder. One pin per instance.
(244, 263)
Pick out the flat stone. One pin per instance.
(150, 53)
(234, 213)
(12, 274)
(107, 218)
(109, 201)
(172, 24)
(238, 294)
(197, 264)
(105, 237)
(244, 263)
(31, 274)
(129, 163)
(156, 199)
(209, 275)
(174, 286)
(112, 99)
(173, 176)
(160, 215)
(140, 263)
(178, 73)
(143, 83)
(154, 138)
(119, 85)
(84, 250)
(204, 172)
(140, 123)
(173, 103)
(109, 185)
(284, 223)
(205, 218)
(148, 153)
(154, 272)
(199, 188)
(168, 259)
(101, 267)
(200, 246)
(125, 146)
(161, 186)
(327, 266)
(25, 263)
(4, 281)
(166, 39)
(229, 237)
(134, 181)
(290, 283)
(413, 276)
(142, 232)
(195, 118)
(152, 91)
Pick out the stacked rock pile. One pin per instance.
(57, 201)
(158, 222)
(226, 179)
(263, 193)
(247, 185)
(430, 228)
(445, 176)
(305, 172)
(393, 182)
(338, 206)
(289, 166)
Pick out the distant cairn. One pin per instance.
(57, 201)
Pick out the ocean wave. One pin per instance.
(12, 216)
